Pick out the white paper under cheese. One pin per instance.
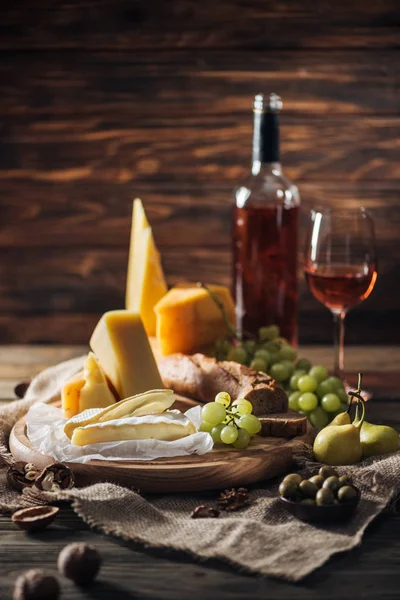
(45, 428)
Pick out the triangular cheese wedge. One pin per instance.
(145, 280)
(153, 402)
(95, 393)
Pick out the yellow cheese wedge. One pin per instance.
(133, 429)
(145, 284)
(70, 395)
(120, 343)
(188, 318)
(95, 393)
(152, 402)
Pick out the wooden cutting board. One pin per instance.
(222, 467)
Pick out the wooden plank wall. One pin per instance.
(103, 100)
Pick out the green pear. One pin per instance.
(340, 444)
(342, 418)
(378, 439)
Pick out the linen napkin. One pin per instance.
(260, 538)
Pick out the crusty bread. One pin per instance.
(287, 425)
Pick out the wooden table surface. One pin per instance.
(371, 571)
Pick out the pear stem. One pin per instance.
(360, 400)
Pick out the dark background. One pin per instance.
(104, 100)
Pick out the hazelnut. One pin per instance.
(36, 584)
(204, 512)
(35, 518)
(79, 562)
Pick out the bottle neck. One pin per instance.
(265, 141)
(270, 168)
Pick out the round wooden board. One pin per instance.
(223, 467)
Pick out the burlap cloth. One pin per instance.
(261, 538)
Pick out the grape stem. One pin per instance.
(234, 332)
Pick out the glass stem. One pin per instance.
(338, 319)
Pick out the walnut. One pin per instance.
(54, 478)
(79, 562)
(35, 518)
(36, 584)
(21, 475)
(233, 499)
(204, 512)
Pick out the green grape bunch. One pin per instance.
(230, 423)
(310, 389)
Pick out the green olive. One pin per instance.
(318, 480)
(326, 472)
(308, 488)
(324, 496)
(294, 477)
(344, 480)
(288, 489)
(308, 501)
(347, 493)
(331, 483)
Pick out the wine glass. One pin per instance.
(340, 265)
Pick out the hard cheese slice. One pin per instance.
(95, 393)
(121, 345)
(167, 427)
(145, 281)
(188, 318)
(70, 395)
(152, 402)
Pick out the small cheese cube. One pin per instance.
(70, 394)
(121, 345)
(188, 318)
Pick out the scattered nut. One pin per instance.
(204, 512)
(58, 474)
(36, 518)
(36, 584)
(17, 477)
(21, 389)
(79, 562)
(234, 499)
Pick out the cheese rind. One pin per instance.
(188, 318)
(152, 402)
(121, 345)
(167, 427)
(145, 284)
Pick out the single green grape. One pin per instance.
(318, 417)
(342, 395)
(250, 423)
(294, 400)
(273, 358)
(237, 354)
(330, 402)
(216, 433)
(282, 341)
(229, 434)
(289, 365)
(263, 354)
(205, 426)
(307, 383)
(258, 364)
(223, 398)
(324, 388)
(319, 372)
(294, 380)
(304, 364)
(243, 406)
(243, 439)
(279, 372)
(336, 383)
(250, 346)
(287, 353)
(271, 347)
(308, 401)
(268, 333)
(213, 413)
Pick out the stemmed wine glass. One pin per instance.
(340, 265)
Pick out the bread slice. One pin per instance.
(287, 425)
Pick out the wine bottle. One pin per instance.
(265, 226)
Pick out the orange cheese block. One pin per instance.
(188, 318)
(70, 394)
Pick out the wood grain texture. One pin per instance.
(242, 24)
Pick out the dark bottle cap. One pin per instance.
(266, 128)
